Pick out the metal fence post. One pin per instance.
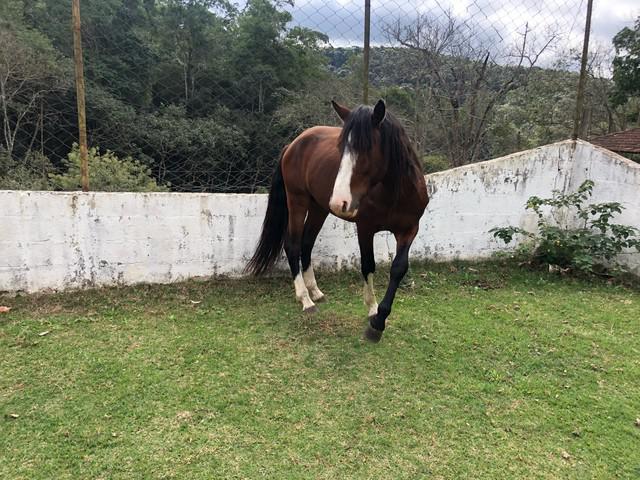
(82, 121)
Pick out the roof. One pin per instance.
(627, 141)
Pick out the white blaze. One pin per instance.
(342, 186)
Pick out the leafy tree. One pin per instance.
(305, 108)
(118, 56)
(190, 38)
(258, 52)
(626, 65)
(539, 113)
(188, 86)
(195, 154)
(30, 69)
(205, 93)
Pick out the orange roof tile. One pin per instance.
(627, 141)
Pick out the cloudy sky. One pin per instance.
(495, 20)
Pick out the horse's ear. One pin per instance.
(378, 113)
(343, 112)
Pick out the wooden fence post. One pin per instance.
(82, 119)
(367, 34)
(577, 119)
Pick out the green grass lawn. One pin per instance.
(484, 371)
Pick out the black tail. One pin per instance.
(273, 228)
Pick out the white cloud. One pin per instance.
(342, 20)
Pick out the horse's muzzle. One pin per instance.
(349, 215)
(343, 208)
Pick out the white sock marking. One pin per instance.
(310, 282)
(370, 296)
(302, 294)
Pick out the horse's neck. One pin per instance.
(404, 189)
(394, 183)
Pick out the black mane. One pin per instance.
(398, 152)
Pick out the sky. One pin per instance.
(496, 21)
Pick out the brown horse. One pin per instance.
(366, 172)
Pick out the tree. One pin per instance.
(539, 113)
(118, 55)
(260, 59)
(463, 78)
(29, 70)
(195, 154)
(626, 65)
(190, 35)
(598, 92)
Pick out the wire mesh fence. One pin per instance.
(201, 95)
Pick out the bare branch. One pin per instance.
(457, 68)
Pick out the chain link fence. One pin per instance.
(201, 95)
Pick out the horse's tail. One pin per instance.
(274, 226)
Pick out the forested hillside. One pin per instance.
(199, 95)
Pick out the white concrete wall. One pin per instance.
(617, 179)
(55, 240)
(470, 200)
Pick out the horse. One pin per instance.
(366, 172)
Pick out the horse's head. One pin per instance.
(362, 163)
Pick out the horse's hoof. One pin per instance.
(311, 310)
(372, 335)
(320, 299)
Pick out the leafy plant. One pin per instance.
(107, 173)
(590, 248)
(28, 173)
(435, 163)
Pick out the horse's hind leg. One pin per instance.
(292, 247)
(312, 226)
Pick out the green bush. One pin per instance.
(107, 173)
(435, 163)
(592, 248)
(29, 173)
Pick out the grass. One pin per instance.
(485, 371)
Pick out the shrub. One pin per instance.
(435, 163)
(28, 173)
(590, 248)
(107, 173)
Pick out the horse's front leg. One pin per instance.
(368, 268)
(399, 268)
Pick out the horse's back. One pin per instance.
(320, 141)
